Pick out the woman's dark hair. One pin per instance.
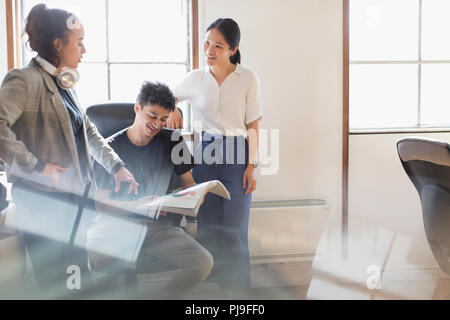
(156, 93)
(43, 25)
(232, 34)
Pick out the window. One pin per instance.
(127, 43)
(399, 64)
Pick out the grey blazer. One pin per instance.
(35, 125)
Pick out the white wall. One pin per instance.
(3, 49)
(295, 46)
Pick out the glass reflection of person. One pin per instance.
(225, 98)
(47, 143)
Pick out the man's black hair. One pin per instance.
(156, 93)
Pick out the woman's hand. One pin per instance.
(123, 175)
(249, 178)
(175, 120)
(52, 171)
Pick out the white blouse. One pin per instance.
(224, 109)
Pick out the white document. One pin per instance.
(185, 201)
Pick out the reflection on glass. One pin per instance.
(151, 30)
(435, 95)
(92, 16)
(384, 29)
(126, 80)
(383, 96)
(93, 85)
(436, 30)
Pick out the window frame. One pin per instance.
(419, 128)
(192, 37)
(346, 132)
(12, 33)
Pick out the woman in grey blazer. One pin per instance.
(47, 142)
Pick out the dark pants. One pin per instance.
(46, 220)
(223, 224)
(51, 262)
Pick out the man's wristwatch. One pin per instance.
(254, 163)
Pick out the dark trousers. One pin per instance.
(223, 224)
(46, 220)
(53, 264)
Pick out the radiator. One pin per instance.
(286, 230)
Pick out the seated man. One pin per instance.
(146, 148)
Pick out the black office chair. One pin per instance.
(3, 202)
(427, 163)
(109, 119)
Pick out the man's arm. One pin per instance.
(186, 179)
(105, 194)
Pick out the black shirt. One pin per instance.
(77, 121)
(151, 165)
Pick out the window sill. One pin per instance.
(400, 130)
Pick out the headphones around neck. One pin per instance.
(66, 78)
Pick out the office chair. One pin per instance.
(109, 119)
(427, 163)
(3, 202)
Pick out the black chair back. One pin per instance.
(111, 117)
(427, 163)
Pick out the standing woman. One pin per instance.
(226, 101)
(47, 143)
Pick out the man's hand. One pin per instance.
(52, 171)
(175, 120)
(163, 213)
(124, 175)
(203, 200)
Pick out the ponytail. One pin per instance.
(236, 57)
(43, 25)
